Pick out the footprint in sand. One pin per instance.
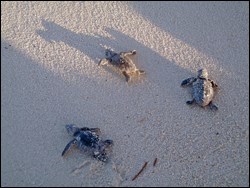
(78, 170)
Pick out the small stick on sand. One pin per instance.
(155, 161)
(144, 166)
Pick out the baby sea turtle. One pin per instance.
(122, 62)
(203, 89)
(88, 138)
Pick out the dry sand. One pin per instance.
(50, 78)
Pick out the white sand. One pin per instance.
(50, 78)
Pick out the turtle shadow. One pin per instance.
(90, 45)
(158, 69)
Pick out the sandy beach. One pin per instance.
(50, 78)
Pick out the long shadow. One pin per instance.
(36, 105)
(90, 45)
(194, 22)
(178, 18)
(158, 69)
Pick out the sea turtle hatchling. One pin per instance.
(122, 62)
(88, 138)
(203, 89)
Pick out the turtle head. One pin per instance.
(72, 129)
(202, 73)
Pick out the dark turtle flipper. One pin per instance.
(190, 102)
(84, 129)
(214, 85)
(95, 130)
(72, 129)
(140, 71)
(126, 76)
(213, 106)
(109, 142)
(68, 146)
(188, 81)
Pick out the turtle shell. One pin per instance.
(202, 92)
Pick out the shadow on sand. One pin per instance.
(158, 69)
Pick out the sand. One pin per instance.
(50, 78)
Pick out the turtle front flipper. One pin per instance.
(97, 131)
(140, 71)
(72, 129)
(214, 85)
(108, 142)
(133, 52)
(213, 106)
(188, 81)
(68, 146)
(85, 129)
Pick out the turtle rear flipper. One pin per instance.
(126, 76)
(213, 106)
(68, 146)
